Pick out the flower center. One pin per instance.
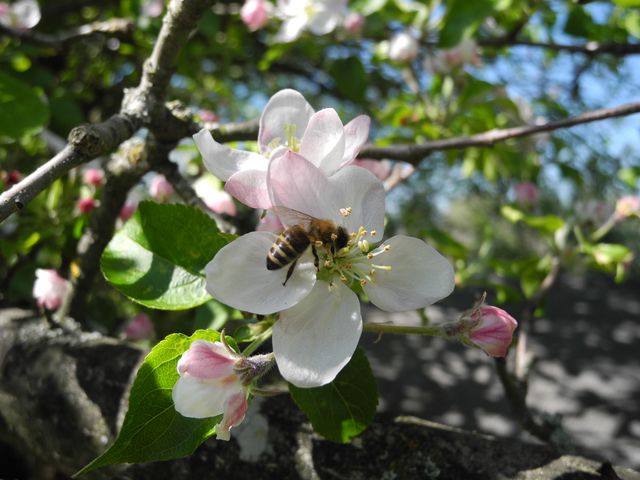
(354, 263)
(291, 141)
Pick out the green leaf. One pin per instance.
(462, 20)
(627, 3)
(158, 258)
(350, 78)
(345, 407)
(152, 429)
(22, 111)
(511, 213)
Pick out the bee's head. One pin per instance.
(343, 238)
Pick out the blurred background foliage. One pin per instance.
(465, 202)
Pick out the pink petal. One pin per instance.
(206, 360)
(323, 142)
(286, 107)
(235, 409)
(250, 188)
(315, 339)
(494, 331)
(356, 133)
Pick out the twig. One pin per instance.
(590, 48)
(414, 153)
(234, 132)
(59, 40)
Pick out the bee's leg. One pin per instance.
(290, 272)
(316, 261)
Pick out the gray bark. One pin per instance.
(63, 394)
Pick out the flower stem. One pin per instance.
(430, 330)
(260, 339)
(604, 229)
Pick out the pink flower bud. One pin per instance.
(152, 8)
(139, 328)
(86, 205)
(49, 289)
(11, 177)
(208, 116)
(627, 206)
(403, 47)
(160, 188)
(527, 194)
(255, 14)
(128, 209)
(93, 176)
(491, 329)
(220, 202)
(354, 22)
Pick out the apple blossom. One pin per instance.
(23, 14)
(444, 61)
(403, 47)
(318, 16)
(288, 123)
(93, 176)
(527, 194)
(216, 200)
(354, 22)
(86, 205)
(319, 324)
(49, 289)
(160, 188)
(215, 380)
(486, 327)
(152, 8)
(255, 14)
(140, 327)
(627, 206)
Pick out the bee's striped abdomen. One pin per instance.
(288, 247)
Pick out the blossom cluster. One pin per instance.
(305, 177)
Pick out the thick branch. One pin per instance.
(414, 153)
(85, 142)
(61, 39)
(235, 132)
(590, 48)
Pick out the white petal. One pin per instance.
(324, 21)
(419, 276)
(223, 161)
(358, 188)
(323, 141)
(287, 107)
(356, 133)
(197, 399)
(238, 276)
(291, 29)
(315, 339)
(27, 12)
(249, 187)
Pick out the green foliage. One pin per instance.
(345, 407)
(158, 258)
(152, 430)
(462, 20)
(22, 109)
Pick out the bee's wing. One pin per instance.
(289, 216)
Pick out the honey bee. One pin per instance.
(296, 238)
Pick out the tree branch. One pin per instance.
(59, 40)
(414, 153)
(590, 48)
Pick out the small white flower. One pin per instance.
(23, 14)
(403, 47)
(288, 123)
(318, 16)
(320, 323)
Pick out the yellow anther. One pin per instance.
(334, 237)
(343, 279)
(370, 256)
(363, 282)
(345, 212)
(387, 248)
(318, 243)
(328, 264)
(373, 233)
(364, 246)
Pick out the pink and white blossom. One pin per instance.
(215, 380)
(490, 329)
(444, 61)
(288, 124)
(93, 176)
(320, 323)
(403, 47)
(23, 14)
(627, 206)
(320, 17)
(152, 8)
(255, 13)
(140, 327)
(218, 201)
(49, 289)
(354, 22)
(160, 188)
(527, 194)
